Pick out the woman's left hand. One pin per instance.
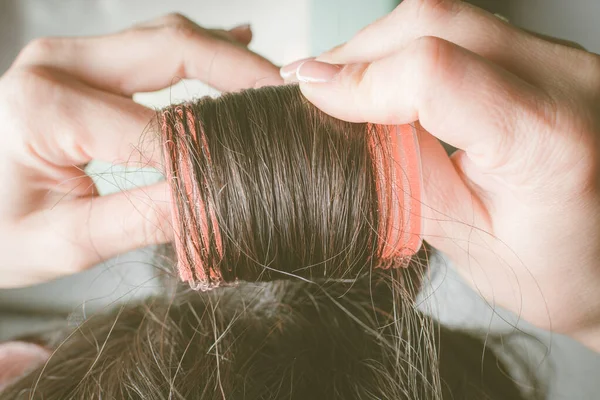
(66, 101)
(517, 208)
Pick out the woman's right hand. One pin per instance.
(518, 206)
(66, 101)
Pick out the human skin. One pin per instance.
(66, 101)
(517, 208)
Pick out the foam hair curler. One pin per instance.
(199, 245)
(400, 175)
(190, 269)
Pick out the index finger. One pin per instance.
(458, 96)
(533, 57)
(152, 58)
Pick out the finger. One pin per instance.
(527, 56)
(241, 33)
(103, 126)
(442, 85)
(69, 183)
(130, 138)
(143, 60)
(55, 185)
(452, 20)
(85, 232)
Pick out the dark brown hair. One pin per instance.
(276, 340)
(289, 199)
(281, 188)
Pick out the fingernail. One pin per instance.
(245, 27)
(289, 71)
(317, 72)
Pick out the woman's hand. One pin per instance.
(518, 207)
(66, 101)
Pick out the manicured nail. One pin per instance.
(244, 27)
(317, 72)
(289, 71)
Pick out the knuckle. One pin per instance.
(176, 18)
(38, 50)
(179, 27)
(431, 56)
(180, 32)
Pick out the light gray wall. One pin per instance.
(335, 21)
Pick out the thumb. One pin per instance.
(458, 96)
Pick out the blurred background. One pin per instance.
(284, 30)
